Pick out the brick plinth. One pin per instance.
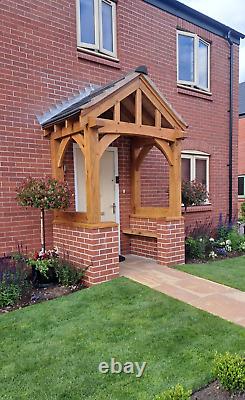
(140, 245)
(169, 246)
(171, 242)
(94, 249)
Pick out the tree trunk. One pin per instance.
(43, 244)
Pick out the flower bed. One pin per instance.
(222, 242)
(42, 276)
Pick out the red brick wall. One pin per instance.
(241, 152)
(140, 245)
(154, 180)
(94, 249)
(170, 242)
(69, 174)
(241, 148)
(40, 66)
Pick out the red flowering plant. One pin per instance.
(43, 261)
(45, 194)
(194, 193)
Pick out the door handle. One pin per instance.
(114, 208)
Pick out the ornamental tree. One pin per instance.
(193, 193)
(45, 194)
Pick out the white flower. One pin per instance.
(228, 248)
(212, 255)
(211, 240)
(201, 239)
(222, 243)
(228, 242)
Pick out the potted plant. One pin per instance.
(193, 193)
(44, 194)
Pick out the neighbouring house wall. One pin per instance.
(40, 66)
(241, 151)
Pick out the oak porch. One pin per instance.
(130, 107)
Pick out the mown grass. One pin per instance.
(52, 350)
(230, 272)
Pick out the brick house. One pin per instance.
(70, 67)
(241, 145)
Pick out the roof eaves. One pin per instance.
(197, 18)
(89, 101)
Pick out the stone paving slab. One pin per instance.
(217, 299)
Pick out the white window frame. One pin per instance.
(194, 83)
(98, 46)
(193, 155)
(242, 196)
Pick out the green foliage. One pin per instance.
(229, 369)
(66, 273)
(235, 238)
(9, 294)
(242, 212)
(176, 393)
(43, 193)
(196, 248)
(41, 265)
(13, 284)
(193, 193)
(222, 232)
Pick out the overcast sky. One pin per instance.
(229, 12)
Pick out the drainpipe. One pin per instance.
(229, 39)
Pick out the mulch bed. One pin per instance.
(37, 295)
(214, 392)
(233, 254)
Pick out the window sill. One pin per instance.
(194, 209)
(98, 58)
(182, 89)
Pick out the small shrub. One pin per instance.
(10, 293)
(176, 393)
(235, 238)
(229, 369)
(67, 274)
(195, 248)
(13, 284)
(242, 212)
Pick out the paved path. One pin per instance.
(220, 300)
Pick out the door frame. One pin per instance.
(116, 185)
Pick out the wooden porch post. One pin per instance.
(92, 168)
(57, 172)
(175, 181)
(135, 179)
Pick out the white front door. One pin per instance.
(109, 188)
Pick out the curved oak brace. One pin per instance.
(105, 142)
(141, 156)
(62, 149)
(79, 139)
(164, 147)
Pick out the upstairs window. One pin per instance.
(96, 26)
(241, 186)
(193, 61)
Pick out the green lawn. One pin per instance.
(230, 272)
(52, 350)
